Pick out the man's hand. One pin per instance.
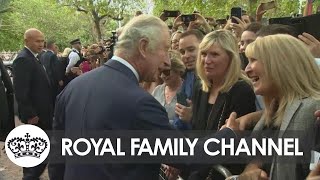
(238, 28)
(314, 174)
(200, 21)
(312, 43)
(171, 172)
(231, 122)
(33, 120)
(248, 121)
(61, 83)
(317, 114)
(260, 12)
(178, 22)
(184, 113)
(163, 16)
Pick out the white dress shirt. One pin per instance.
(73, 59)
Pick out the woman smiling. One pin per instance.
(284, 72)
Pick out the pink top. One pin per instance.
(85, 66)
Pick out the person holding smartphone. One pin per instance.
(166, 93)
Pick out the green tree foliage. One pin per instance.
(102, 12)
(220, 9)
(4, 6)
(56, 22)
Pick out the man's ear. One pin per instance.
(143, 46)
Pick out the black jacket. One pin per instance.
(33, 90)
(53, 68)
(240, 99)
(6, 99)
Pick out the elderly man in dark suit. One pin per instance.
(33, 90)
(111, 99)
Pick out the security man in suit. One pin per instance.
(110, 90)
(33, 90)
(50, 61)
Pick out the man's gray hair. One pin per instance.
(143, 26)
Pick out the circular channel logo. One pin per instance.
(27, 145)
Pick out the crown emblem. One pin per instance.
(27, 146)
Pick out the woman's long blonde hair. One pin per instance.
(290, 66)
(226, 41)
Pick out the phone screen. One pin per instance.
(171, 13)
(236, 12)
(182, 99)
(187, 18)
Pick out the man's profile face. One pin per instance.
(158, 59)
(35, 42)
(188, 48)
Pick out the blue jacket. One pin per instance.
(109, 98)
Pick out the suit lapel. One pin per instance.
(37, 62)
(122, 68)
(289, 113)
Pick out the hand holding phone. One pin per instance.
(236, 12)
(187, 18)
(182, 99)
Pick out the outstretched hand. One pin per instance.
(231, 122)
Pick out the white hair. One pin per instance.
(143, 26)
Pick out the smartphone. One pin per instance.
(182, 99)
(268, 5)
(171, 13)
(309, 24)
(187, 18)
(236, 12)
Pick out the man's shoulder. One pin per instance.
(23, 57)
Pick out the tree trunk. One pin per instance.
(97, 28)
(96, 21)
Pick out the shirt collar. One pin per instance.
(75, 50)
(50, 50)
(124, 62)
(35, 54)
(318, 61)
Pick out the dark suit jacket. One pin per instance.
(109, 98)
(32, 88)
(6, 99)
(53, 68)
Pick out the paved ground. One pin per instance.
(10, 171)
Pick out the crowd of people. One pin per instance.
(195, 76)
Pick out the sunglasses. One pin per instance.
(166, 72)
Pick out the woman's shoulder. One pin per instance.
(310, 103)
(158, 89)
(241, 86)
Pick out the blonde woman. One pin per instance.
(284, 72)
(166, 93)
(222, 88)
